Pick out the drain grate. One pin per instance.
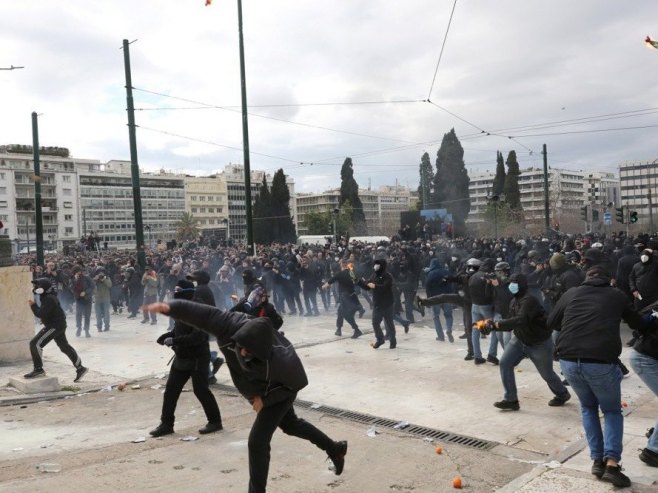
(420, 431)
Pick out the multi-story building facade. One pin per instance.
(567, 193)
(381, 208)
(107, 207)
(59, 195)
(639, 189)
(206, 198)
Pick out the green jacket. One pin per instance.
(102, 290)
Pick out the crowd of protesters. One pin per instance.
(520, 291)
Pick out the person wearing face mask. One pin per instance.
(436, 283)
(191, 360)
(531, 338)
(53, 319)
(643, 280)
(502, 298)
(383, 303)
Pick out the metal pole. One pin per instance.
(651, 230)
(134, 166)
(27, 232)
(37, 189)
(547, 222)
(245, 139)
(495, 220)
(84, 221)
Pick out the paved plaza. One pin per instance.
(393, 406)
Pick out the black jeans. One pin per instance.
(281, 415)
(175, 383)
(43, 337)
(385, 314)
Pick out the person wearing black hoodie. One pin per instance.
(191, 360)
(53, 319)
(531, 338)
(267, 371)
(383, 303)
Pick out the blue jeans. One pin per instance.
(503, 336)
(646, 368)
(598, 385)
(447, 313)
(102, 314)
(483, 312)
(541, 355)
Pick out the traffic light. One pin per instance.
(633, 218)
(583, 213)
(595, 216)
(619, 215)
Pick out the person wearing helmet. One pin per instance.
(54, 320)
(563, 277)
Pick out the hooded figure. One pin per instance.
(203, 293)
(267, 371)
(436, 283)
(192, 358)
(532, 339)
(54, 320)
(643, 280)
(383, 303)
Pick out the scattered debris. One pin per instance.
(17, 449)
(316, 406)
(457, 482)
(157, 386)
(438, 450)
(178, 468)
(155, 461)
(553, 464)
(401, 425)
(45, 467)
(136, 386)
(139, 440)
(107, 388)
(189, 438)
(372, 432)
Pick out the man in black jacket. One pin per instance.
(589, 346)
(191, 361)
(530, 338)
(54, 320)
(383, 301)
(347, 298)
(267, 371)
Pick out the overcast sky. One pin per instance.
(506, 63)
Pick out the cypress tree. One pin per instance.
(426, 178)
(451, 181)
(499, 180)
(349, 192)
(511, 189)
(262, 224)
(283, 229)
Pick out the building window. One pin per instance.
(202, 210)
(202, 198)
(193, 198)
(68, 205)
(67, 192)
(68, 231)
(194, 210)
(3, 203)
(66, 178)
(68, 217)
(211, 210)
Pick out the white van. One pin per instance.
(369, 239)
(313, 240)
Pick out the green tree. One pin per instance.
(349, 192)
(499, 180)
(260, 213)
(511, 189)
(321, 222)
(187, 227)
(283, 228)
(426, 178)
(451, 181)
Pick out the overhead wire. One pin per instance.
(445, 38)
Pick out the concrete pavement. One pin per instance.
(423, 382)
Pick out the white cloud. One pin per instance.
(506, 64)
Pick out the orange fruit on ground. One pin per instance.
(438, 450)
(457, 482)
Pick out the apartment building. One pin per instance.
(206, 198)
(639, 188)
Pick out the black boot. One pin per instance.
(337, 456)
(357, 334)
(161, 430)
(211, 428)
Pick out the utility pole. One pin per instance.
(84, 221)
(134, 166)
(547, 222)
(651, 230)
(37, 189)
(251, 248)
